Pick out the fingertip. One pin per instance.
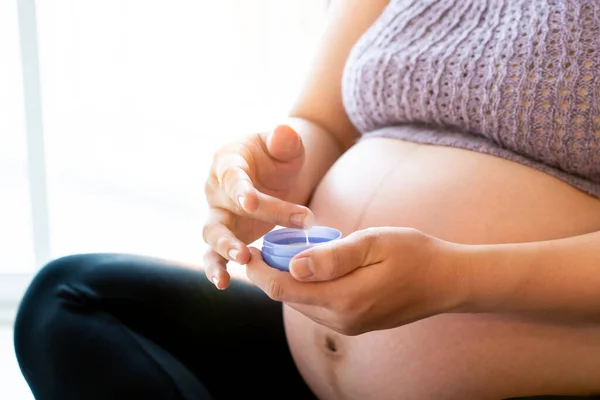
(309, 220)
(216, 281)
(221, 280)
(248, 200)
(301, 269)
(304, 219)
(284, 143)
(243, 255)
(217, 275)
(254, 253)
(284, 131)
(251, 202)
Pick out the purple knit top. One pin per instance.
(518, 79)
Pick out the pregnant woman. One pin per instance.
(456, 145)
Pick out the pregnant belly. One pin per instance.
(465, 197)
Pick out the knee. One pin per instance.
(40, 304)
(42, 289)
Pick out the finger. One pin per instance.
(272, 210)
(222, 240)
(244, 199)
(280, 285)
(232, 176)
(215, 268)
(284, 144)
(336, 258)
(284, 213)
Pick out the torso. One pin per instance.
(462, 196)
(521, 77)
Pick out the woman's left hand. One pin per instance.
(377, 278)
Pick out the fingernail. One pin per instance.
(302, 268)
(242, 202)
(215, 280)
(298, 219)
(233, 253)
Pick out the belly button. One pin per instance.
(333, 348)
(330, 344)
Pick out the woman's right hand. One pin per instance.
(247, 187)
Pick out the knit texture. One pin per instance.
(519, 79)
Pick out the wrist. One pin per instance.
(489, 277)
(455, 284)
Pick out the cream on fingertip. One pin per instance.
(309, 220)
(303, 220)
(298, 219)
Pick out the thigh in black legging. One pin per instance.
(116, 326)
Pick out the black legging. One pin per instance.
(115, 326)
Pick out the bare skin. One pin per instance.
(464, 197)
(453, 194)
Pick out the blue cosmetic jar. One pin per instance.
(281, 245)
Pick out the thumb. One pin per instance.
(335, 259)
(284, 144)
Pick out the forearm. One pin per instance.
(554, 280)
(321, 151)
(318, 113)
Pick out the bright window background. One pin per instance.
(15, 223)
(136, 97)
